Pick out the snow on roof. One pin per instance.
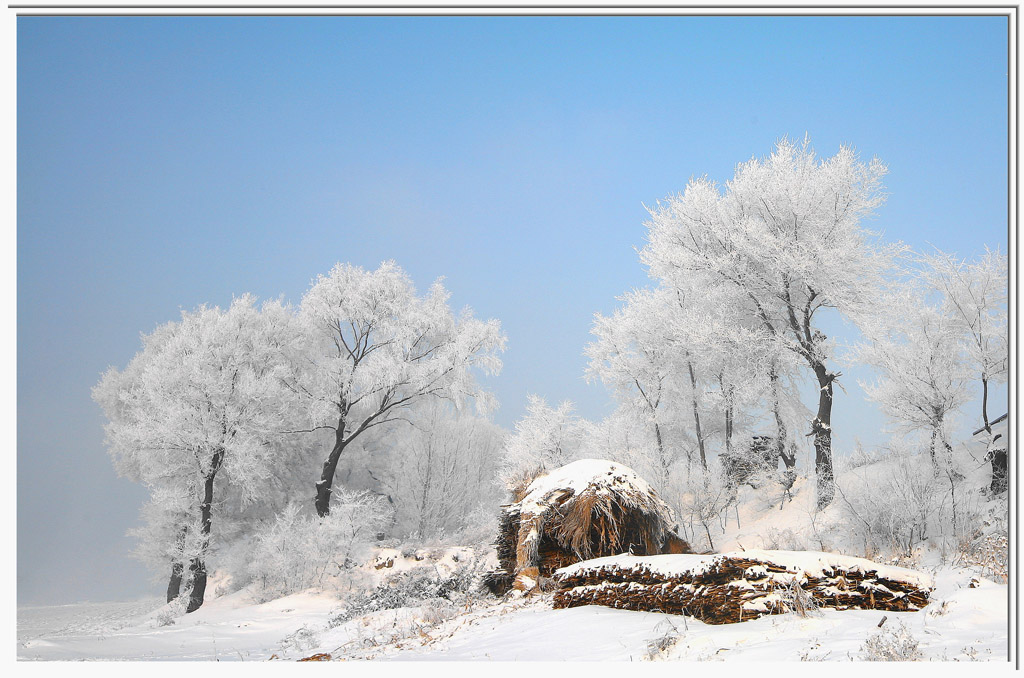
(578, 476)
(812, 563)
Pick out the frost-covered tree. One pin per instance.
(441, 469)
(731, 351)
(633, 356)
(786, 235)
(374, 348)
(975, 296)
(202, 401)
(544, 439)
(627, 439)
(922, 381)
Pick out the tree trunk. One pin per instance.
(426, 488)
(932, 446)
(984, 404)
(177, 569)
(197, 567)
(696, 418)
(821, 427)
(663, 458)
(939, 441)
(727, 393)
(781, 434)
(999, 475)
(997, 456)
(323, 487)
(174, 584)
(788, 457)
(197, 572)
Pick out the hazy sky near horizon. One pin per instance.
(166, 162)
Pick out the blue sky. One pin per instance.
(166, 162)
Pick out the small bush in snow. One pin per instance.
(410, 589)
(171, 611)
(437, 611)
(784, 540)
(861, 457)
(303, 640)
(986, 553)
(891, 644)
(799, 600)
(660, 644)
(297, 552)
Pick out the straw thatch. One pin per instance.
(586, 509)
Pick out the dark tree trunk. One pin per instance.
(323, 487)
(197, 572)
(821, 427)
(696, 418)
(984, 404)
(197, 566)
(999, 475)
(997, 456)
(174, 585)
(177, 569)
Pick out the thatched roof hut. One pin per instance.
(587, 509)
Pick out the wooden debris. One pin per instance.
(733, 588)
(319, 657)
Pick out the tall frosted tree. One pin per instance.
(374, 348)
(975, 298)
(786, 235)
(199, 406)
(632, 356)
(922, 380)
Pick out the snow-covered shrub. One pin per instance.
(412, 588)
(296, 551)
(784, 540)
(661, 643)
(891, 644)
(798, 600)
(302, 640)
(861, 457)
(986, 553)
(438, 610)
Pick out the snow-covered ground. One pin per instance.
(961, 623)
(965, 620)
